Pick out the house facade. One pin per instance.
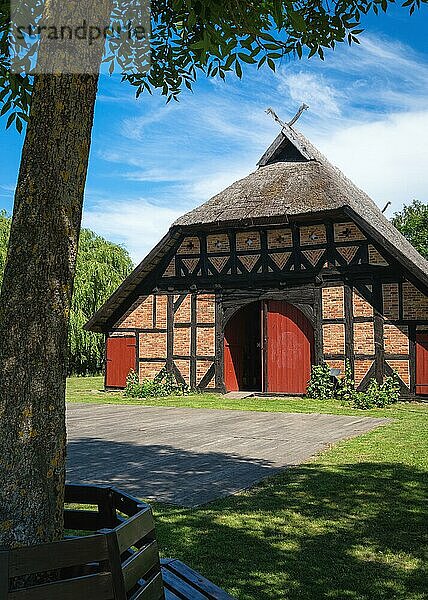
(288, 267)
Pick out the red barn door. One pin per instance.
(120, 359)
(290, 339)
(422, 363)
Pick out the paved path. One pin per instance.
(190, 456)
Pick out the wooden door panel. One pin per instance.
(120, 360)
(422, 364)
(290, 341)
(233, 352)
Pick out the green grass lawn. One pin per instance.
(351, 524)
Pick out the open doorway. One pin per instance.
(242, 350)
(268, 347)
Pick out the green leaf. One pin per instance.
(246, 58)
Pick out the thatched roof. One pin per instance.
(293, 178)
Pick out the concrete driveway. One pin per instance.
(191, 456)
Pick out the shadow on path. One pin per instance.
(161, 472)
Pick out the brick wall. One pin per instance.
(361, 368)
(332, 302)
(139, 315)
(396, 339)
(334, 338)
(149, 370)
(205, 341)
(182, 341)
(150, 313)
(279, 238)
(415, 303)
(218, 243)
(190, 245)
(337, 364)
(184, 367)
(153, 345)
(375, 258)
(402, 368)
(363, 338)
(183, 314)
(390, 294)
(361, 307)
(205, 308)
(347, 232)
(247, 240)
(313, 234)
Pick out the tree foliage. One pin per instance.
(101, 267)
(4, 238)
(210, 36)
(412, 222)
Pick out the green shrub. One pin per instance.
(162, 385)
(345, 391)
(321, 385)
(379, 396)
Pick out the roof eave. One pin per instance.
(421, 277)
(99, 322)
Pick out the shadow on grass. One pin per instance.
(353, 531)
(349, 532)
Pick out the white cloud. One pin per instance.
(313, 90)
(387, 158)
(137, 224)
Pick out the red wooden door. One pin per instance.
(422, 363)
(120, 359)
(290, 339)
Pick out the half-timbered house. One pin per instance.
(291, 266)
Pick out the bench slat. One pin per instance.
(92, 586)
(57, 555)
(87, 520)
(139, 564)
(171, 596)
(181, 587)
(152, 591)
(85, 493)
(212, 591)
(134, 529)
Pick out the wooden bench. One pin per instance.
(116, 557)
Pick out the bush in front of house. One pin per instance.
(164, 384)
(321, 384)
(321, 387)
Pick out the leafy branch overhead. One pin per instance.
(214, 37)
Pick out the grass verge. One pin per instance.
(350, 524)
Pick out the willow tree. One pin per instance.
(187, 36)
(100, 268)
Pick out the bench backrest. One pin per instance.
(118, 561)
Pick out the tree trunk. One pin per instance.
(35, 304)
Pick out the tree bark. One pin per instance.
(35, 303)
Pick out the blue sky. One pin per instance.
(151, 162)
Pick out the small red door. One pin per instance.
(290, 340)
(120, 359)
(422, 363)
